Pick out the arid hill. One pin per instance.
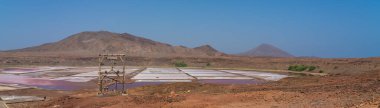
(266, 50)
(93, 43)
(209, 50)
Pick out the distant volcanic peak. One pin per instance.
(267, 50)
(265, 45)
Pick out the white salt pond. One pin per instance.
(262, 75)
(15, 99)
(72, 78)
(187, 75)
(162, 75)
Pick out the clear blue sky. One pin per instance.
(324, 28)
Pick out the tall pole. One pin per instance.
(99, 75)
(122, 59)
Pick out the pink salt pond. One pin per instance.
(21, 70)
(42, 83)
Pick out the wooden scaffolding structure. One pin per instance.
(110, 78)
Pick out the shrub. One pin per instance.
(311, 68)
(291, 68)
(321, 71)
(301, 68)
(180, 64)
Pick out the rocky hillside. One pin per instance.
(209, 50)
(93, 43)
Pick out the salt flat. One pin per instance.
(57, 77)
(262, 75)
(183, 74)
(162, 75)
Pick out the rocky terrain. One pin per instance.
(93, 43)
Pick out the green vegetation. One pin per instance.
(300, 68)
(321, 71)
(311, 68)
(297, 68)
(180, 64)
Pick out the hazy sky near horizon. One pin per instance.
(324, 28)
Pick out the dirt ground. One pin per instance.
(336, 90)
(353, 82)
(327, 65)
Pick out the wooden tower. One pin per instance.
(111, 74)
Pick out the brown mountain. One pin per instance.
(209, 50)
(93, 43)
(266, 50)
